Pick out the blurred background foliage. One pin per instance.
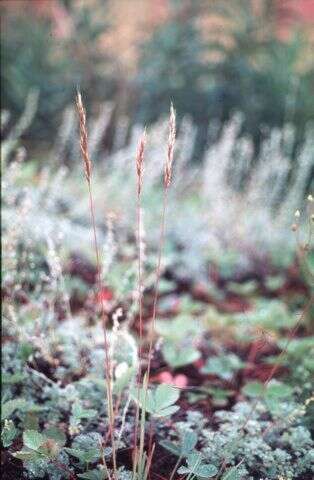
(211, 59)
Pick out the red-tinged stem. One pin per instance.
(140, 308)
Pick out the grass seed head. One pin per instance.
(83, 136)
(140, 161)
(170, 149)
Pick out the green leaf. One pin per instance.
(178, 329)
(270, 392)
(232, 474)
(254, 389)
(194, 460)
(57, 435)
(176, 356)
(171, 447)
(93, 475)
(165, 395)
(31, 421)
(11, 379)
(85, 456)
(11, 405)
(206, 470)
(79, 412)
(196, 466)
(188, 442)
(184, 448)
(8, 433)
(274, 282)
(159, 402)
(223, 366)
(247, 288)
(26, 455)
(278, 390)
(33, 439)
(166, 412)
(125, 380)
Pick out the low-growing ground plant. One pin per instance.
(116, 365)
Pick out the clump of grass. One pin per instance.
(142, 460)
(108, 368)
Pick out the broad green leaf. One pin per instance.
(31, 421)
(247, 288)
(278, 390)
(176, 356)
(165, 395)
(195, 466)
(33, 439)
(188, 442)
(274, 282)
(11, 405)
(93, 475)
(79, 412)
(254, 389)
(8, 433)
(171, 447)
(57, 435)
(232, 474)
(194, 459)
(159, 402)
(184, 448)
(180, 328)
(166, 412)
(125, 380)
(85, 456)
(206, 471)
(223, 366)
(11, 379)
(26, 455)
(270, 392)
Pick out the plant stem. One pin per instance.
(175, 467)
(158, 272)
(107, 357)
(140, 307)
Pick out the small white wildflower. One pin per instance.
(297, 214)
(310, 198)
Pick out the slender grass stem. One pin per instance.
(88, 174)
(175, 468)
(139, 171)
(111, 415)
(158, 273)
